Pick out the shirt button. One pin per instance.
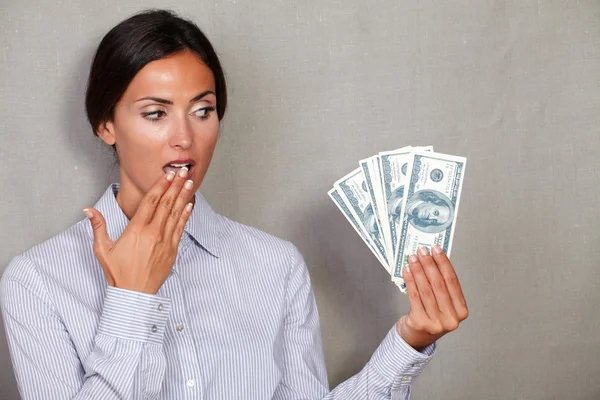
(179, 328)
(191, 383)
(161, 307)
(405, 378)
(154, 329)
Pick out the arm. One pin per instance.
(126, 361)
(388, 375)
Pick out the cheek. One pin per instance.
(207, 137)
(135, 133)
(445, 216)
(139, 145)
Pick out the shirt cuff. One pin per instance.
(133, 315)
(398, 362)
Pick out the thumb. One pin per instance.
(101, 239)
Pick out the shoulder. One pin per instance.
(51, 258)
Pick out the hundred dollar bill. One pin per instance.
(352, 188)
(430, 205)
(337, 199)
(393, 169)
(370, 172)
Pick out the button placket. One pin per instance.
(180, 324)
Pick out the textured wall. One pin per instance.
(316, 86)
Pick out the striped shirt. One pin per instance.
(235, 319)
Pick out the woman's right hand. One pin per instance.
(142, 257)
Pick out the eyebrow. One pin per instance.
(165, 101)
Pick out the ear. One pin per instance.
(106, 132)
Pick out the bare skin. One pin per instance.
(437, 303)
(142, 257)
(183, 129)
(168, 113)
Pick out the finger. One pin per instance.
(452, 283)
(416, 305)
(181, 201)
(167, 202)
(178, 232)
(101, 239)
(149, 203)
(102, 242)
(437, 283)
(424, 288)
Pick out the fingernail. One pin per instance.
(188, 184)
(437, 249)
(407, 268)
(188, 207)
(412, 258)
(183, 172)
(170, 175)
(423, 251)
(88, 213)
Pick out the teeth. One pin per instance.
(178, 165)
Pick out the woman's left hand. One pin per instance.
(437, 303)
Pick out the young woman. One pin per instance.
(157, 296)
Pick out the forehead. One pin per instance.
(183, 74)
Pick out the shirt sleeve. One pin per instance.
(388, 375)
(127, 360)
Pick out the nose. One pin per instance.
(182, 135)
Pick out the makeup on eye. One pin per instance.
(156, 115)
(205, 111)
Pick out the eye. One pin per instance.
(204, 112)
(154, 115)
(436, 213)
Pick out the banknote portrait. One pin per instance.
(395, 204)
(369, 216)
(429, 211)
(369, 221)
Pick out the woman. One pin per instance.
(157, 296)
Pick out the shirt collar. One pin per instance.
(203, 225)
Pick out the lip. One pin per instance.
(190, 173)
(181, 161)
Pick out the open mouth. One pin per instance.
(175, 167)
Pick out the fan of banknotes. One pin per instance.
(401, 200)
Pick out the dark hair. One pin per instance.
(147, 36)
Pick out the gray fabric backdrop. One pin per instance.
(317, 85)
